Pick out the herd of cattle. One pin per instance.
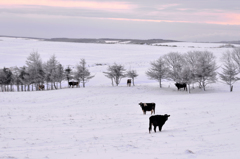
(129, 82)
(155, 120)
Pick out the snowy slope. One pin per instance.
(101, 121)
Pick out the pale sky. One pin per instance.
(188, 20)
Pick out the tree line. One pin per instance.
(36, 72)
(194, 67)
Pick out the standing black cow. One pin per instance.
(181, 85)
(129, 81)
(73, 84)
(157, 120)
(41, 87)
(147, 107)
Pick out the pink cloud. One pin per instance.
(74, 4)
(234, 21)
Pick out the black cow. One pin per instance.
(129, 81)
(73, 84)
(181, 85)
(147, 107)
(157, 120)
(41, 87)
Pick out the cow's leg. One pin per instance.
(160, 128)
(150, 127)
(155, 127)
(151, 111)
(145, 112)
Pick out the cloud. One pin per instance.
(69, 4)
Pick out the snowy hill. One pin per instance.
(101, 121)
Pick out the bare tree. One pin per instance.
(35, 69)
(132, 74)
(230, 70)
(174, 62)
(236, 57)
(116, 72)
(60, 74)
(83, 73)
(206, 69)
(158, 71)
(188, 76)
(16, 75)
(50, 68)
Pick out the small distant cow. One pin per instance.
(73, 84)
(147, 107)
(181, 85)
(157, 120)
(129, 81)
(41, 87)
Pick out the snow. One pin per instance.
(101, 121)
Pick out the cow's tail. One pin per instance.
(150, 125)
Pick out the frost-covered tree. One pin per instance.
(82, 74)
(110, 75)
(229, 70)
(116, 72)
(23, 77)
(50, 68)
(6, 79)
(206, 69)
(174, 62)
(16, 77)
(236, 57)
(35, 69)
(60, 74)
(187, 76)
(132, 74)
(158, 71)
(191, 59)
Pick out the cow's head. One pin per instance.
(141, 104)
(166, 116)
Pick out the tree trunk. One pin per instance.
(133, 81)
(83, 83)
(112, 82)
(54, 85)
(160, 83)
(18, 87)
(11, 88)
(231, 88)
(189, 89)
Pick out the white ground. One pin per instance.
(101, 121)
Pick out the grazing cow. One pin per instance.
(181, 85)
(73, 84)
(129, 82)
(147, 107)
(157, 120)
(41, 87)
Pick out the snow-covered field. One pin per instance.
(101, 121)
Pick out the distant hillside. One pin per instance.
(111, 41)
(230, 42)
